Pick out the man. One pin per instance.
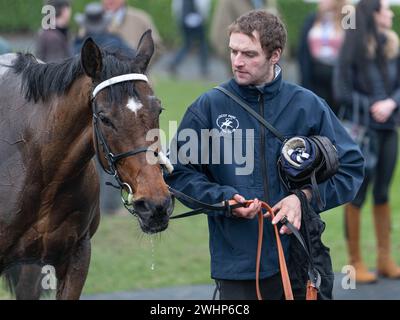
(257, 40)
(53, 44)
(130, 23)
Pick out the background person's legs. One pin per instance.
(388, 148)
(352, 227)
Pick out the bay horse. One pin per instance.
(53, 119)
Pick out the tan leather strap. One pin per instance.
(287, 288)
(312, 292)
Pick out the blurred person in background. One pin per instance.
(191, 16)
(94, 23)
(321, 39)
(227, 11)
(130, 23)
(369, 70)
(53, 45)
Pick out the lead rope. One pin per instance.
(311, 291)
(287, 288)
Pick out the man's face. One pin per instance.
(250, 65)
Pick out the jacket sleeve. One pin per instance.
(344, 185)
(189, 175)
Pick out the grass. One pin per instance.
(122, 256)
(125, 259)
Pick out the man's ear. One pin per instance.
(275, 56)
(91, 59)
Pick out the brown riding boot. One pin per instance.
(385, 263)
(352, 225)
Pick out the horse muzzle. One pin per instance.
(153, 215)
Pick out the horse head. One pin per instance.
(125, 110)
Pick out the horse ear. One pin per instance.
(91, 58)
(145, 51)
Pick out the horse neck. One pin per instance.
(70, 146)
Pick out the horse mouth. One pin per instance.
(152, 227)
(154, 220)
(155, 229)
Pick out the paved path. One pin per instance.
(384, 289)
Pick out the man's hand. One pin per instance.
(289, 207)
(248, 213)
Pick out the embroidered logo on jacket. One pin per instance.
(227, 123)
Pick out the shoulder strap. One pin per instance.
(245, 106)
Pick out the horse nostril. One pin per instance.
(154, 208)
(141, 206)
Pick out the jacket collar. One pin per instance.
(252, 93)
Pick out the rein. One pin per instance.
(227, 206)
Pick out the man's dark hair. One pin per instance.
(58, 5)
(271, 29)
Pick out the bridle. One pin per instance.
(127, 194)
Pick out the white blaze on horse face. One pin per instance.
(134, 105)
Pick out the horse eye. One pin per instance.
(105, 120)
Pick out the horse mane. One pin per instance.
(40, 81)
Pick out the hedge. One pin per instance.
(25, 15)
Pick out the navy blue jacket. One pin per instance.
(293, 110)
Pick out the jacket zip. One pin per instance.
(264, 163)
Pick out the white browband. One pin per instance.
(123, 78)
